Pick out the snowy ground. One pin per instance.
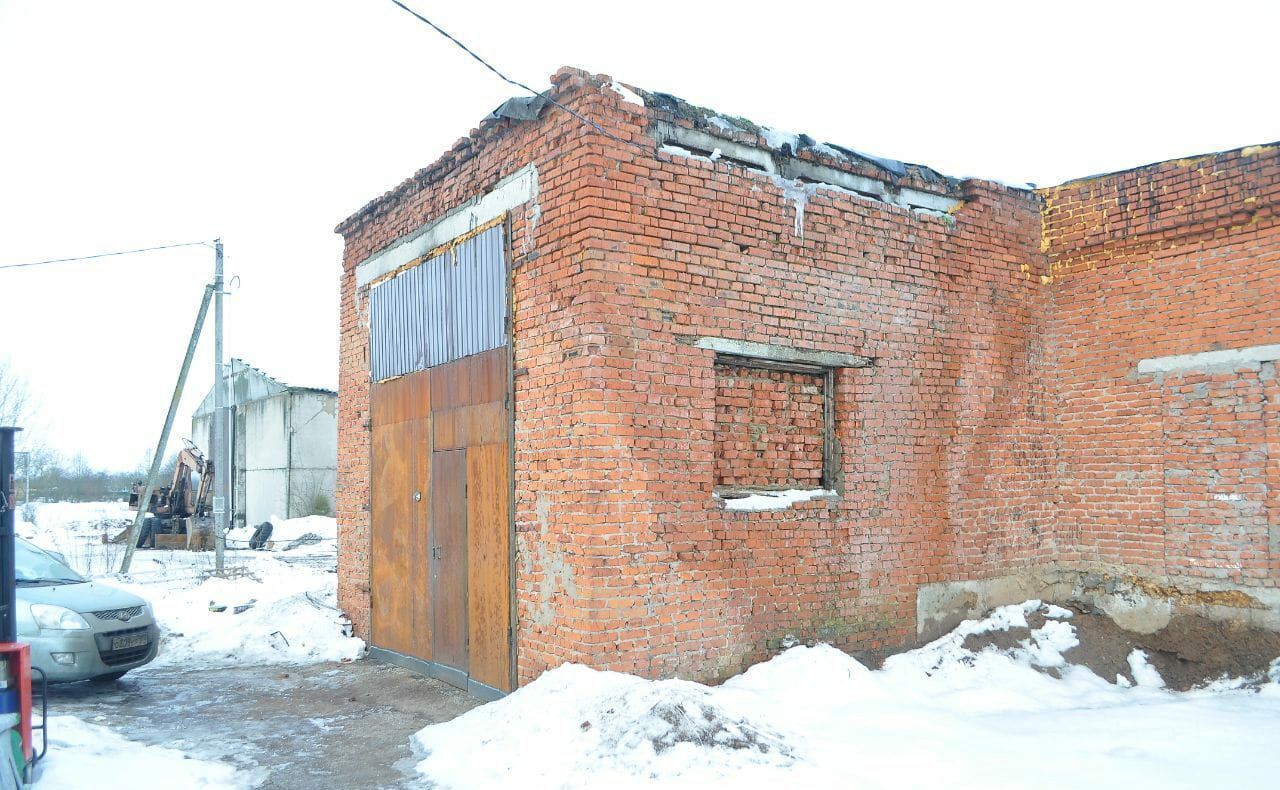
(87, 755)
(289, 595)
(938, 716)
(287, 598)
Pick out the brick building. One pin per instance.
(662, 395)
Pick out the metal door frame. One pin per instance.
(433, 668)
(513, 625)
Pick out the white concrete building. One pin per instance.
(284, 448)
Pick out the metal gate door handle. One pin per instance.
(417, 496)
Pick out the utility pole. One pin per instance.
(157, 458)
(221, 434)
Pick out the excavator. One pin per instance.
(177, 516)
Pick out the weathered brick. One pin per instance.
(1001, 427)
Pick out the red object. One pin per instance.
(18, 655)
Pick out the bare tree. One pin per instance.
(39, 460)
(13, 395)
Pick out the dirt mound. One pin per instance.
(1189, 652)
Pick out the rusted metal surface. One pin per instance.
(441, 576)
(449, 557)
(488, 569)
(392, 572)
(440, 410)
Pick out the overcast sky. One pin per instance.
(140, 122)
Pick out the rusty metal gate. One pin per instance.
(440, 541)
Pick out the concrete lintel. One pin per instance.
(514, 190)
(1210, 359)
(824, 176)
(927, 201)
(820, 176)
(773, 353)
(701, 141)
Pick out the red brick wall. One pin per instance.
(1003, 425)
(1172, 473)
(944, 455)
(769, 428)
(351, 494)
(1217, 438)
(552, 391)
(625, 559)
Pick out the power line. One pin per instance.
(104, 255)
(521, 85)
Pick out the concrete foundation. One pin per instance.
(1143, 605)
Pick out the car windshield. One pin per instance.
(34, 566)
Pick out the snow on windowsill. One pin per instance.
(771, 500)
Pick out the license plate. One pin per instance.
(126, 642)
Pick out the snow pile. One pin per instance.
(775, 500)
(87, 755)
(1143, 673)
(286, 532)
(288, 595)
(577, 727)
(291, 617)
(941, 715)
(1043, 648)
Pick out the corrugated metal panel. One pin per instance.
(451, 306)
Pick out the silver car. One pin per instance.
(78, 629)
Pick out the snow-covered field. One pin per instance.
(288, 616)
(937, 716)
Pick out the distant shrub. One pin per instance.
(320, 506)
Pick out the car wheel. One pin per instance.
(110, 677)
